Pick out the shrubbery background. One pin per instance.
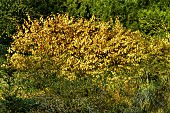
(149, 16)
(61, 63)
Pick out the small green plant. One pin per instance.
(13, 104)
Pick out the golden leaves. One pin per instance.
(18, 61)
(82, 45)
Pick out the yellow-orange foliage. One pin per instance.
(82, 47)
(76, 46)
(79, 47)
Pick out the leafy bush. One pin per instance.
(131, 13)
(134, 14)
(3, 50)
(80, 95)
(11, 13)
(46, 7)
(14, 104)
(131, 70)
(152, 22)
(74, 47)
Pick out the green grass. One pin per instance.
(79, 96)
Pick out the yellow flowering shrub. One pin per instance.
(76, 46)
(119, 61)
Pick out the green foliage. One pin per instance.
(3, 50)
(11, 89)
(46, 7)
(134, 14)
(152, 22)
(79, 8)
(12, 12)
(73, 96)
(13, 104)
